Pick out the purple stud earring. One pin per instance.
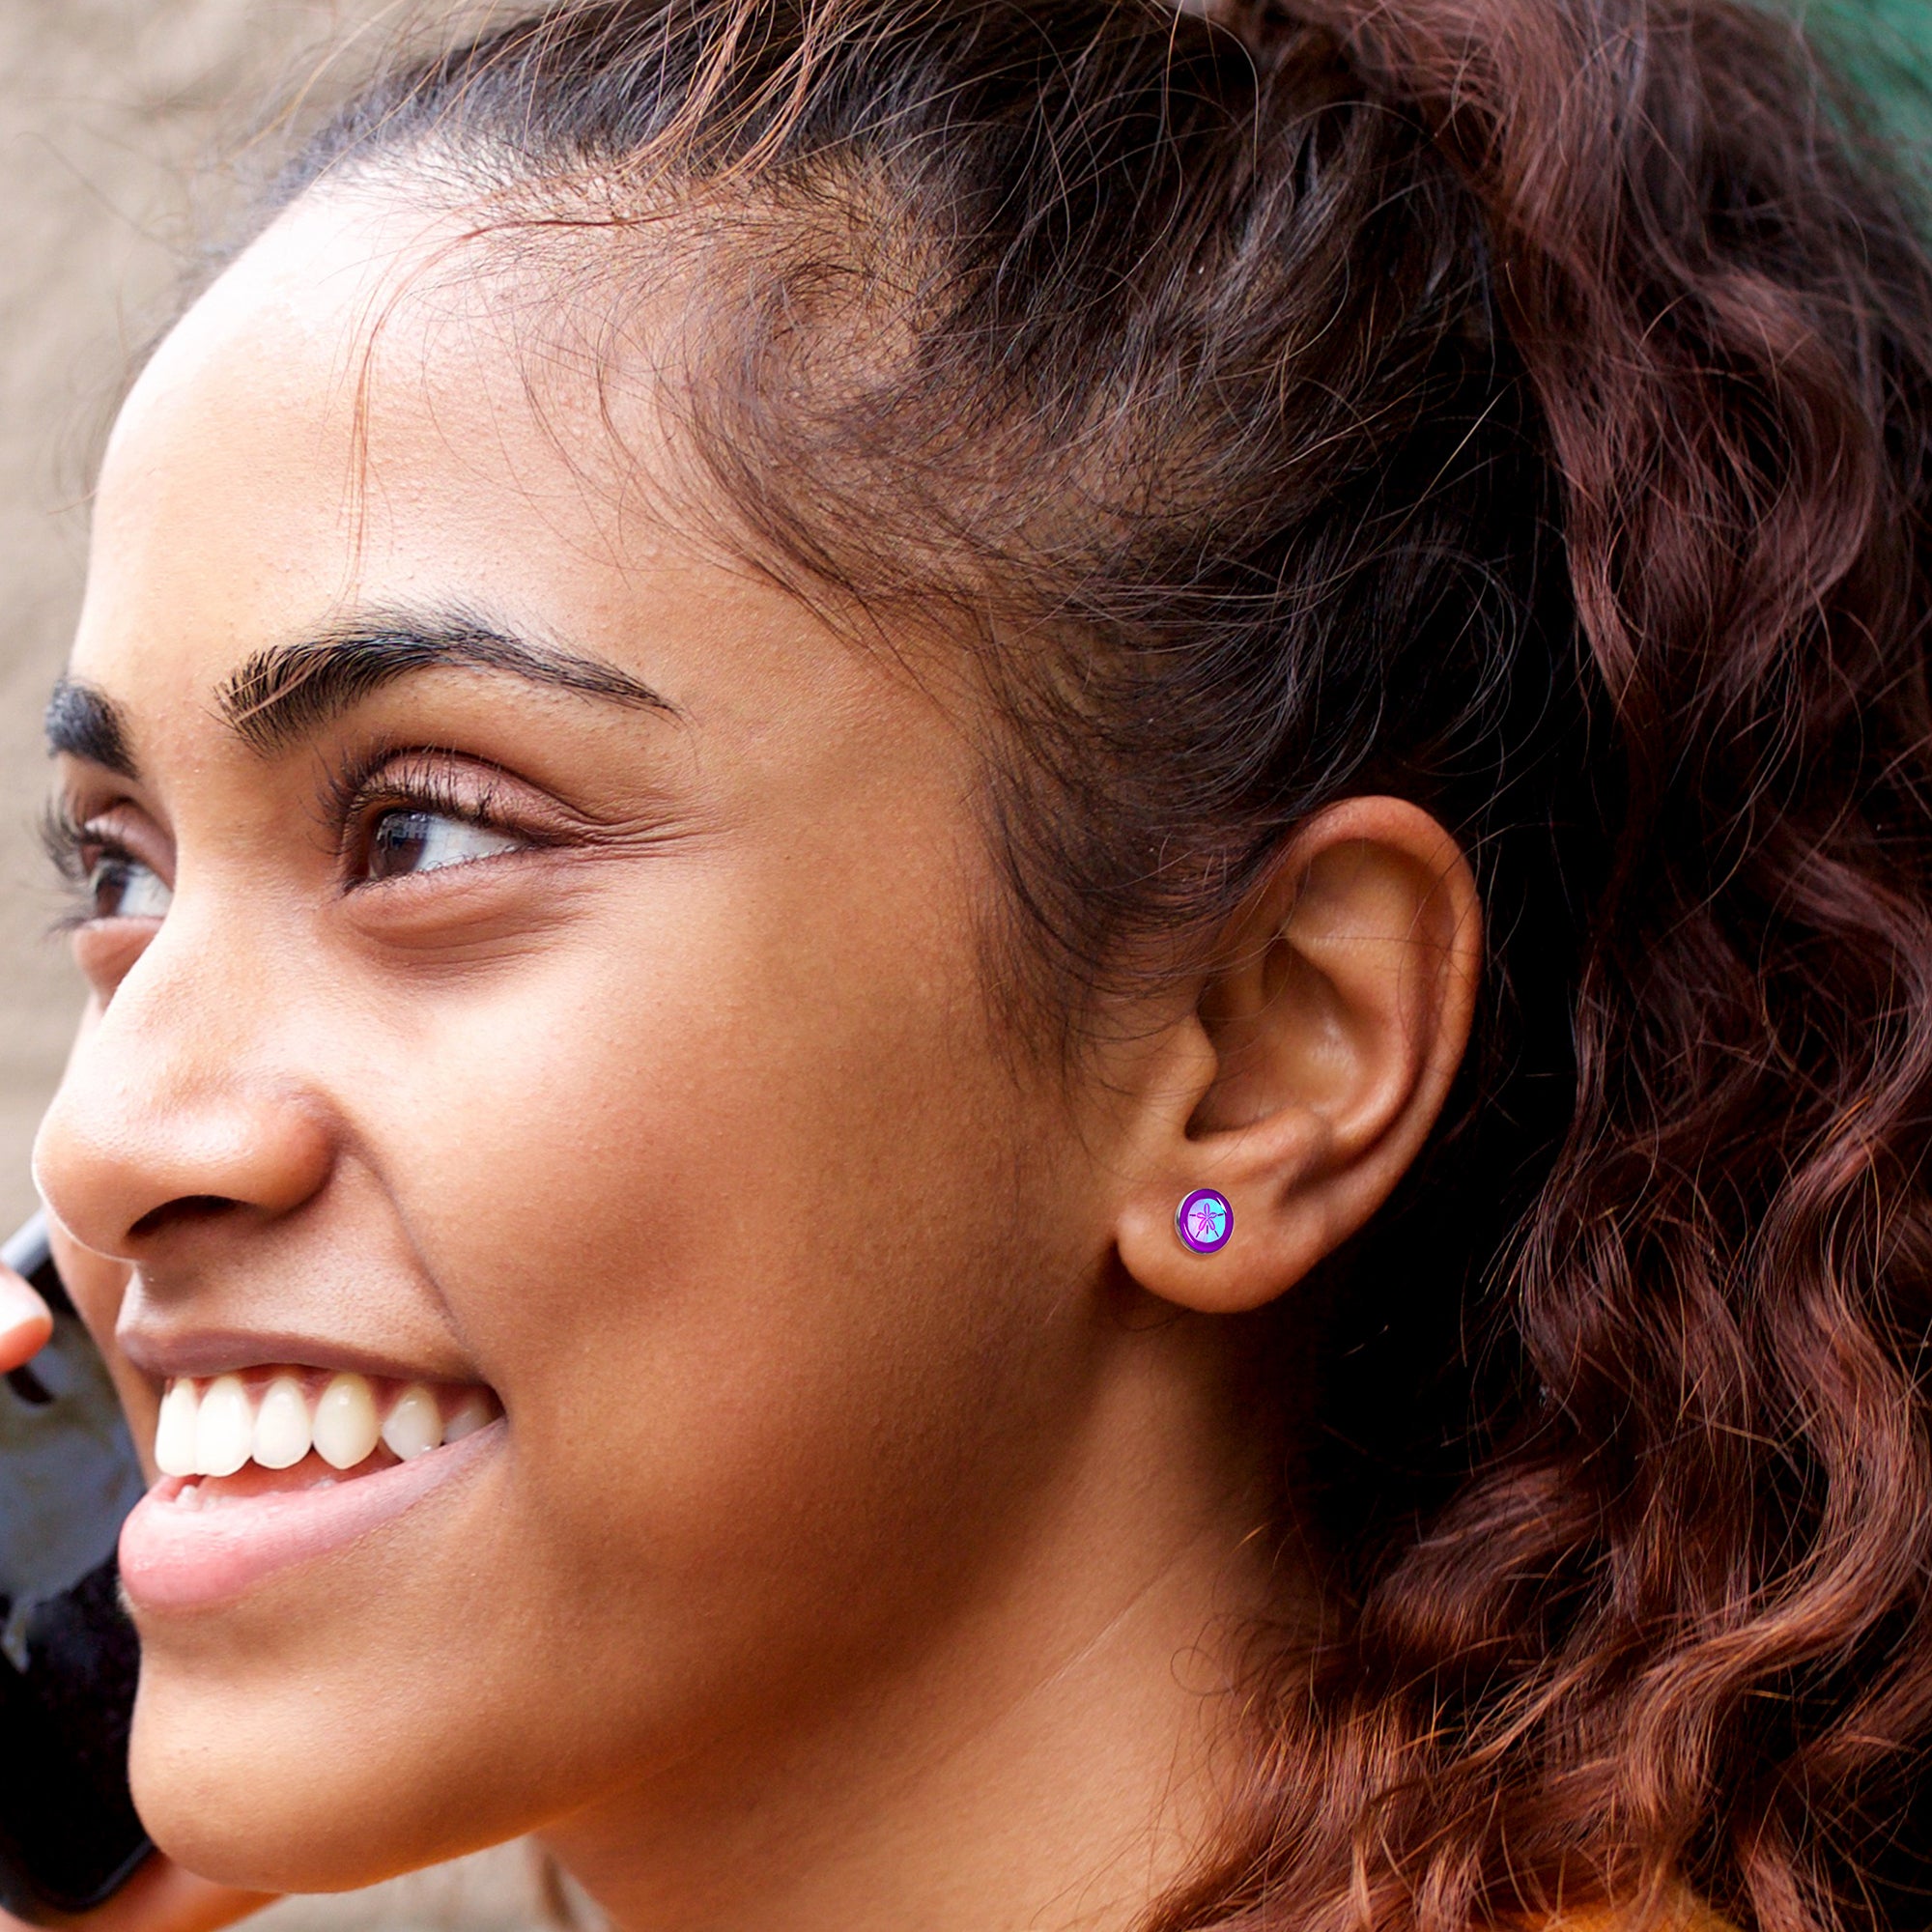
(1203, 1221)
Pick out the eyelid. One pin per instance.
(418, 778)
(70, 827)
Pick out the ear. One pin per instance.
(1317, 1055)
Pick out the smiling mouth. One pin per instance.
(269, 1467)
(277, 1427)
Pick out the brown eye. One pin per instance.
(122, 886)
(407, 841)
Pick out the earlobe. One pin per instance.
(1318, 1055)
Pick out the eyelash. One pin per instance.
(67, 843)
(355, 801)
(78, 848)
(64, 838)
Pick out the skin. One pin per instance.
(871, 1538)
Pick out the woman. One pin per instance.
(1012, 941)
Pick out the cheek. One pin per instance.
(736, 1224)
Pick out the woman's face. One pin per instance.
(561, 989)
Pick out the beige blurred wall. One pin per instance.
(108, 109)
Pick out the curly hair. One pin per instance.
(1524, 406)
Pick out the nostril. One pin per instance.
(141, 1147)
(184, 1211)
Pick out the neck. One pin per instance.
(1052, 1757)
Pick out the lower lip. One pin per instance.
(177, 1559)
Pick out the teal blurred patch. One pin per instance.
(1886, 47)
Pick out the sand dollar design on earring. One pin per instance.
(1203, 1221)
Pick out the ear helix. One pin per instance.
(1203, 1221)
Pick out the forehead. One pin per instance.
(370, 404)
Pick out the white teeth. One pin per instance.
(345, 1429)
(174, 1438)
(214, 1432)
(471, 1415)
(224, 1429)
(415, 1425)
(281, 1425)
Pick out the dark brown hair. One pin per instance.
(1522, 405)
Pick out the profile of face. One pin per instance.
(539, 974)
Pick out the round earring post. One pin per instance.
(1203, 1221)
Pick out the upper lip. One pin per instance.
(165, 1352)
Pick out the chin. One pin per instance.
(300, 1793)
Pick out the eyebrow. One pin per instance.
(285, 693)
(83, 722)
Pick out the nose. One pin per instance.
(176, 1108)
